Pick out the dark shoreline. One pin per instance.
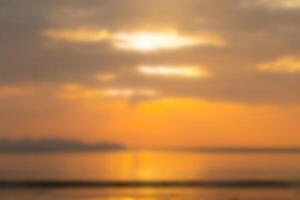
(150, 184)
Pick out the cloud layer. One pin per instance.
(71, 41)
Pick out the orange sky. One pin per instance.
(148, 74)
(183, 122)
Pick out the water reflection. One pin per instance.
(158, 194)
(148, 166)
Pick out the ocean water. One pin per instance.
(155, 176)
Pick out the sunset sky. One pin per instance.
(159, 73)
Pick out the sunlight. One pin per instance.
(77, 91)
(286, 64)
(77, 35)
(286, 4)
(141, 41)
(147, 41)
(114, 92)
(174, 71)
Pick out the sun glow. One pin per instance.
(174, 71)
(286, 4)
(147, 41)
(77, 35)
(113, 92)
(142, 41)
(286, 64)
(77, 91)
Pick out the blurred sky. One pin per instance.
(151, 73)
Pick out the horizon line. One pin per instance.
(229, 150)
(54, 184)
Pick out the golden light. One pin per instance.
(77, 35)
(291, 3)
(282, 65)
(77, 91)
(174, 71)
(115, 92)
(287, 4)
(142, 41)
(147, 41)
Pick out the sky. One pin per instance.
(168, 73)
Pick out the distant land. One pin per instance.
(30, 145)
(55, 145)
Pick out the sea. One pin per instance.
(150, 175)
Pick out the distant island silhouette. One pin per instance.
(28, 145)
(55, 145)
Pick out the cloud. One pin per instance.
(286, 4)
(136, 41)
(105, 77)
(77, 91)
(153, 41)
(129, 93)
(7, 91)
(96, 46)
(284, 65)
(61, 42)
(77, 35)
(174, 71)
